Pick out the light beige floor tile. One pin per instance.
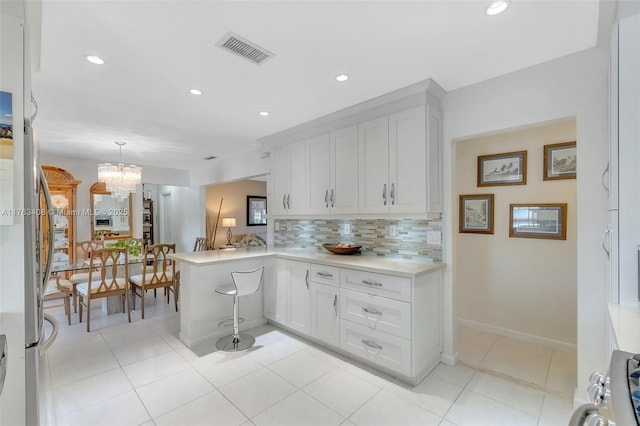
(298, 409)
(80, 366)
(122, 410)
(446, 422)
(472, 354)
(477, 337)
(562, 376)
(341, 391)
(459, 375)
(521, 367)
(151, 369)
(148, 347)
(258, 391)
(166, 394)
(523, 398)
(520, 347)
(555, 411)
(295, 368)
(82, 393)
(273, 351)
(473, 409)
(221, 368)
(433, 394)
(211, 409)
(388, 409)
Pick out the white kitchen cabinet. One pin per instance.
(289, 180)
(393, 163)
(275, 294)
(333, 172)
(296, 275)
(325, 318)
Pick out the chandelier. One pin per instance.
(119, 179)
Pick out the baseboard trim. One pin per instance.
(449, 359)
(555, 344)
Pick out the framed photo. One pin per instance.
(476, 213)
(560, 161)
(509, 168)
(256, 210)
(538, 221)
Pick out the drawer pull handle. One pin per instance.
(306, 279)
(372, 311)
(324, 274)
(372, 344)
(372, 283)
(335, 303)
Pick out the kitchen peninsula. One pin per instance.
(384, 312)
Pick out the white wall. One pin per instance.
(521, 287)
(185, 211)
(571, 86)
(247, 165)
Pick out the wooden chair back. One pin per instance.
(109, 272)
(158, 271)
(201, 244)
(84, 248)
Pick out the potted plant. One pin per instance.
(133, 246)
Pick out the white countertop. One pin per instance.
(379, 264)
(625, 321)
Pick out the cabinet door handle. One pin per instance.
(288, 201)
(372, 311)
(393, 194)
(324, 274)
(372, 344)
(384, 194)
(335, 304)
(306, 279)
(326, 198)
(284, 201)
(604, 238)
(332, 199)
(372, 283)
(604, 184)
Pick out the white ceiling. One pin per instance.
(156, 50)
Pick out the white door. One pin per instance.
(298, 197)
(279, 181)
(343, 195)
(319, 164)
(373, 153)
(407, 161)
(325, 319)
(298, 297)
(166, 232)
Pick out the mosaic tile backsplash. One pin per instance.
(372, 235)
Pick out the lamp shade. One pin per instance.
(229, 222)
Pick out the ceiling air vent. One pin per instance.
(243, 47)
(211, 157)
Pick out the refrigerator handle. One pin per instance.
(604, 183)
(35, 104)
(47, 197)
(54, 334)
(604, 238)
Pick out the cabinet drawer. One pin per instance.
(382, 348)
(376, 313)
(379, 284)
(325, 274)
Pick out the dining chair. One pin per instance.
(108, 274)
(157, 272)
(83, 253)
(201, 244)
(59, 288)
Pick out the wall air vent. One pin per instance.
(243, 47)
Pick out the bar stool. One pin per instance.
(244, 283)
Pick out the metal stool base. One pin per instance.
(234, 344)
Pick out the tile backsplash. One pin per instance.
(372, 235)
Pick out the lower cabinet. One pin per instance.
(274, 294)
(325, 317)
(297, 279)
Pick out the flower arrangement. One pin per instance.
(133, 246)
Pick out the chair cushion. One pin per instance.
(81, 277)
(227, 290)
(137, 279)
(95, 285)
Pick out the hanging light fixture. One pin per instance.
(119, 179)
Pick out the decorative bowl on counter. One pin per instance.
(342, 248)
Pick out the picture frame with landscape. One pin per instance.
(560, 161)
(509, 168)
(476, 213)
(546, 220)
(256, 210)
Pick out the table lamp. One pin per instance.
(229, 222)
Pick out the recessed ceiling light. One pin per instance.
(342, 77)
(264, 113)
(498, 7)
(195, 92)
(95, 59)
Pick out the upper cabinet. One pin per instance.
(386, 159)
(289, 180)
(333, 172)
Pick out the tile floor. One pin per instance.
(141, 374)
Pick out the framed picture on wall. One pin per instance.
(547, 221)
(560, 161)
(256, 210)
(476, 214)
(509, 168)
